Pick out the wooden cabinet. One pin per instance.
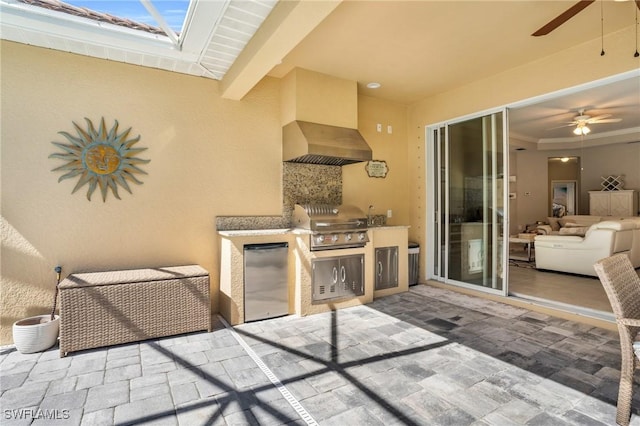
(613, 203)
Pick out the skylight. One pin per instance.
(173, 11)
(196, 37)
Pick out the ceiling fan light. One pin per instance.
(581, 130)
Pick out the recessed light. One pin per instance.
(373, 85)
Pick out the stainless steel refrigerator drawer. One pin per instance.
(266, 293)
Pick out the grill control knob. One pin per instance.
(362, 236)
(320, 239)
(334, 237)
(347, 237)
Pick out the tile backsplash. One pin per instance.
(301, 184)
(311, 184)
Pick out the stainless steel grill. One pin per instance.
(332, 226)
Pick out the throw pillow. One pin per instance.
(575, 230)
(554, 223)
(543, 230)
(575, 225)
(564, 222)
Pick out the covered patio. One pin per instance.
(429, 356)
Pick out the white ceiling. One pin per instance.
(541, 122)
(415, 49)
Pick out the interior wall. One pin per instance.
(209, 157)
(571, 67)
(618, 159)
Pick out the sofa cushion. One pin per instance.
(575, 225)
(564, 221)
(574, 230)
(582, 219)
(618, 225)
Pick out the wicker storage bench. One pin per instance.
(109, 308)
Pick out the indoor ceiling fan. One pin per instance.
(581, 121)
(566, 15)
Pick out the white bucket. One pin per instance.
(35, 334)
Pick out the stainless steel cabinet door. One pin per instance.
(386, 267)
(325, 278)
(352, 274)
(338, 277)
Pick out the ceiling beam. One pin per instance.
(288, 24)
(161, 21)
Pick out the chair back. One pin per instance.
(622, 285)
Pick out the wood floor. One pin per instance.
(578, 290)
(586, 292)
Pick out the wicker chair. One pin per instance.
(622, 285)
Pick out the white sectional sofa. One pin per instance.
(576, 254)
(577, 224)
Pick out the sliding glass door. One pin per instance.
(467, 200)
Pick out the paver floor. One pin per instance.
(426, 357)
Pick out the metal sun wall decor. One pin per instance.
(102, 158)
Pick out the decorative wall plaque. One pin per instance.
(100, 157)
(377, 168)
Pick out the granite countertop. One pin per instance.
(255, 232)
(374, 227)
(282, 231)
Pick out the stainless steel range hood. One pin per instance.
(313, 143)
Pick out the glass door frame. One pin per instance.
(437, 235)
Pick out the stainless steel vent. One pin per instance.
(313, 143)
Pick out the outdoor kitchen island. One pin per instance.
(300, 260)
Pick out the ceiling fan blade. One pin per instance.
(608, 120)
(564, 17)
(598, 117)
(560, 127)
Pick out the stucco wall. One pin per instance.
(391, 192)
(209, 157)
(577, 65)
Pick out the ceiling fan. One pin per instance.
(565, 16)
(581, 120)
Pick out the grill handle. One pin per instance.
(351, 222)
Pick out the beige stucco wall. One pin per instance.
(319, 98)
(572, 67)
(391, 192)
(209, 157)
